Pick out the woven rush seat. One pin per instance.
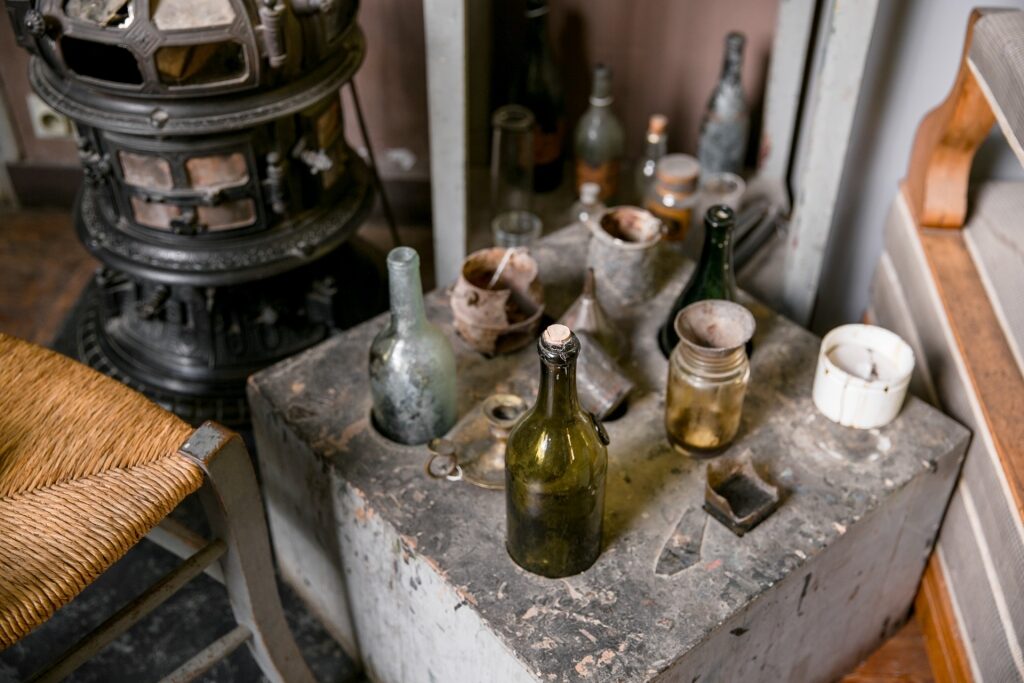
(87, 468)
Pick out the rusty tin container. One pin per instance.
(498, 314)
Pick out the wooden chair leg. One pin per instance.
(235, 510)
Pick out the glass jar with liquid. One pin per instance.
(708, 376)
(673, 196)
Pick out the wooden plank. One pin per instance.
(848, 37)
(891, 310)
(991, 365)
(995, 239)
(903, 659)
(44, 271)
(983, 548)
(935, 614)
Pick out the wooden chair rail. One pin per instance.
(944, 148)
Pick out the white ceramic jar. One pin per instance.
(862, 376)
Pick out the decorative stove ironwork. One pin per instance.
(220, 192)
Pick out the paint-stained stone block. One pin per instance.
(411, 574)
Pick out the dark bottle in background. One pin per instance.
(723, 132)
(539, 89)
(712, 279)
(599, 138)
(556, 462)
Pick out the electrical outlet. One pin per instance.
(46, 122)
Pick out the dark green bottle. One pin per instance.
(713, 278)
(539, 89)
(555, 465)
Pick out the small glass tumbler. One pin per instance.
(516, 229)
(512, 159)
(707, 377)
(721, 188)
(512, 222)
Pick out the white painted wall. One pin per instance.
(911, 65)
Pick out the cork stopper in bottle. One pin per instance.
(656, 125)
(557, 335)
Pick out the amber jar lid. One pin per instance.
(678, 172)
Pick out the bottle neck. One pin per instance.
(601, 92)
(557, 395)
(733, 62)
(655, 146)
(716, 256)
(407, 311)
(537, 30)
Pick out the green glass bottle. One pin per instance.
(412, 365)
(555, 465)
(539, 89)
(599, 138)
(713, 278)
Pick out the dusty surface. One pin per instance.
(619, 620)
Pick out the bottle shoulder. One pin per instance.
(425, 343)
(555, 451)
(599, 128)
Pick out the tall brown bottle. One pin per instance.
(556, 461)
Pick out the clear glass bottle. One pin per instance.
(539, 89)
(712, 279)
(589, 205)
(556, 462)
(412, 365)
(655, 147)
(599, 138)
(723, 132)
(707, 377)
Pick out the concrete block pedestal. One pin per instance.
(411, 573)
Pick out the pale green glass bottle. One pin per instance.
(599, 139)
(412, 365)
(556, 462)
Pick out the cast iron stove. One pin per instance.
(220, 193)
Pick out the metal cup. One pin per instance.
(625, 252)
(600, 381)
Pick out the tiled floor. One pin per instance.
(42, 270)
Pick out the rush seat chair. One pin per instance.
(88, 467)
